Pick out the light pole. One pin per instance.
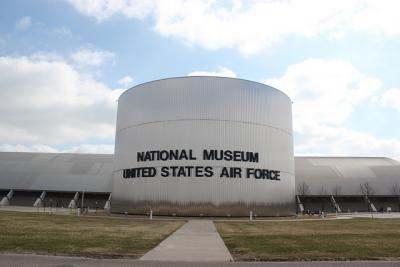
(83, 196)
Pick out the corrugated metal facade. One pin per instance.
(204, 113)
(346, 175)
(323, 176)
(55, 172)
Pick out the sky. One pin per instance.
(63, 65)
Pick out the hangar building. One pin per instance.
(201, 146)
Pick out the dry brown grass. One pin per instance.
(88, 236)
(313, 240)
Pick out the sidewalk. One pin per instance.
(197, 240)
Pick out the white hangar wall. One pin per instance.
(347, 176)
(323, 176)
(197, 114)
(56, 172)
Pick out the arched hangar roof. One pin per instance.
(56, 171)
(346, 175)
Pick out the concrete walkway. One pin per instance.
(26, 260)
(195, 241)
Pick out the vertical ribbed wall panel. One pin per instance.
(204, 113)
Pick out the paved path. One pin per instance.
(377, 215)
(25, 260)
(197, 240)
(38, 210)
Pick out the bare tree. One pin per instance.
(366, 189)
(323, 191)
(395, 190)
(337, 190)
(303, 189)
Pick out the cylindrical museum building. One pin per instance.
(204, 146)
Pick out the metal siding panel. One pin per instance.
(204, 113)
(51, 171)
(347, 173)
(210, 98)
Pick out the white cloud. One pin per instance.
(93, 149)
(84, 148)
(63, 31)
(24, 148)
(222, 71)
(251, 26)
(339, 141)
(46, 56)
(324, 95)
(378, 16)
(125, 81)
(23, 23)
(391, 98)
(87, 57)
(324, 91)
(47, 101)
(103, 9)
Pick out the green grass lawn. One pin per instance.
(312, 240)
(87, 236)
